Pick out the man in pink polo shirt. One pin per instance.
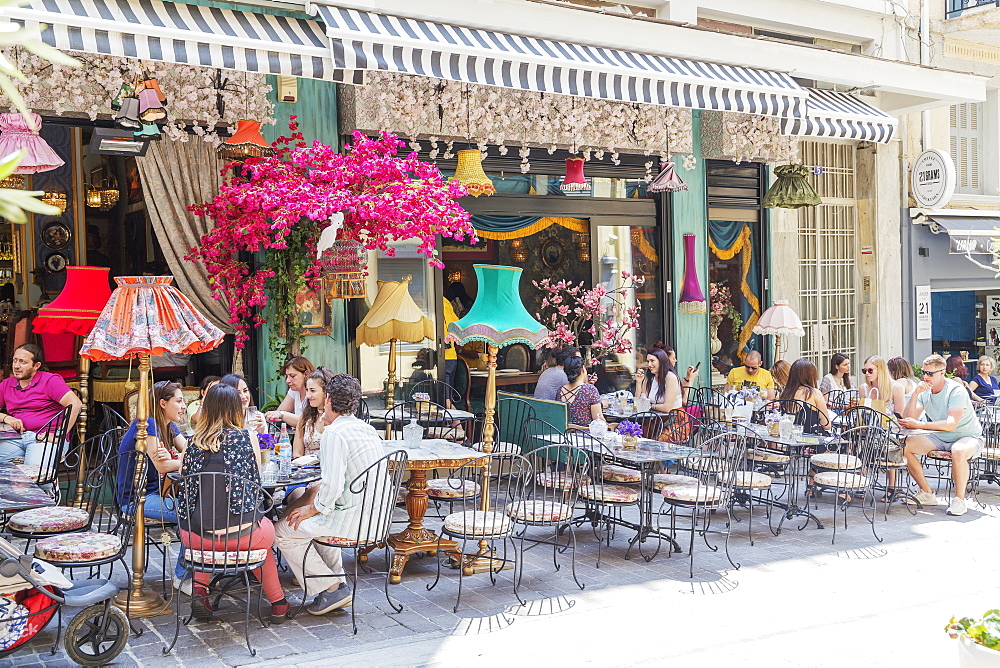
(28, 400)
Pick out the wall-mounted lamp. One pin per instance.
(55, 198)
(517, 251)
(455, 276)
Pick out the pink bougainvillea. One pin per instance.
(289, 199)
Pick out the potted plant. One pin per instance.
(979, 639)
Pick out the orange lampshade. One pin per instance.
(246, 142)
(78, 306)
(146, 314)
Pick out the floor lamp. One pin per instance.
(498, 319)
(145, 316)
(394, 316)
(75, 311)
(779, 320)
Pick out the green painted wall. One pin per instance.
(316, 109)
(689, 216)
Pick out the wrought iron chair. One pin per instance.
(892, 464)
(111, 418)
(988, 463)
(715, 472)
(840, 400)
(650, 422)
(865, 444)
(54, 449)
(507, 485)
(439, 391)
(224, 563)
(803, 414)
(375, 490)
(711, 401)
(363, 413)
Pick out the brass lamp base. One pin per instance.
(147, 603)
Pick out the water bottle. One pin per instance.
(284, 450)
(269, 476)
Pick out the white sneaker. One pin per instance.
(925, 499)
(181, 585)
(957, 507)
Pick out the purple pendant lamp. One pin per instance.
(692, 296)
(19, 132)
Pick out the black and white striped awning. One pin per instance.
(365, 40)
(188, 34)
(840, 116)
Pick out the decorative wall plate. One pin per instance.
(56, 235)
(553, 253)
(56, 262)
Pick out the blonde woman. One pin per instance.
(879, 385)
(983, 385)
(780, 374)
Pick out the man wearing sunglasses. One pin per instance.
(751, 373)
(956, 430)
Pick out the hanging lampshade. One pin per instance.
(149, 131)
(692, 297)
(791, 190)
(93, 197)
(128, 115)
(246, 142)
(150, 109)
(574, 179)
(155, 85)
(102, 195)
(79, 304)
(498, 316)
(469, 172)
(55, 198)
(126, 90)
(344, 266)
(20, 133)
(666, 181)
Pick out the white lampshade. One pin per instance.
(779, 320)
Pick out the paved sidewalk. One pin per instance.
(797, 601)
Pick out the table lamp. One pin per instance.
(497, 318)
(146, 316)
(779, 320)
(75, 311)
(394, 316)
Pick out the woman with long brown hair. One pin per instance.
(839, 377)
(313, 419)
(802, 385)
(296, 371)
(659, 381)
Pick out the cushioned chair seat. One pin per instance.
(609, 493)
(478, 523)
(885, 464)
(539, 511)
(661, 480)
(556, 479)
(78, 547)
(49, 520)
(692, 493)
(456, 434)
(621, 474)
(499, 446)
(338, 541)
(232, 558)
(841, 480)
(939, 454)
(749, 479)
(401, 495)
(767, 457)
(833, 460)
(990, 453)
(451, 488)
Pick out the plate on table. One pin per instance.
(510, 371)
(305, 460)
(479, 373)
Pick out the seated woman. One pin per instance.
(313, 420)
(253, 419)
(194, 408)
(164, 443)
(658, 382)
(583, 398)
(802, 385)
(218, 519)
(879, 386)
(983, 385)
(289, 411)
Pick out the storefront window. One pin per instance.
(734, 291)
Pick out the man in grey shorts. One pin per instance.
(957, 430)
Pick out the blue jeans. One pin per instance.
(25, 446)
(158, 508)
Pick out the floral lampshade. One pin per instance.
(779, 320)
(667, 180)
(791, 190)
(574, 179)
(394, 315)
(246, 142)
(498, 316)
(692, 296)
(146, 314)
(469, 172)
(18, 132)
(79, 305)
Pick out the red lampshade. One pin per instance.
(146, 314)
(78, 306)
(574, 179)
(247, 142)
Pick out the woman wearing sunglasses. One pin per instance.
(885, 394)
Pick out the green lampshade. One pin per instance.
(497, 317)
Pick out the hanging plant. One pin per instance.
(280, 205)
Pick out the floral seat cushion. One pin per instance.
(990, 453)
(556, 479)
(33, 471)
(886, 464)
(692, 493)
(661, 480)
(539, 511)
(231, 558)
(609, 493)
(939, 454)
(337, 541)
(451, 488)
(621, 474)
(834, 460)
(49, 520)
(78, 547)
(498, 446)
(456, 434)
(751, 480)
(478, 523)
(841, 480)
(767, 457)
(401, 495)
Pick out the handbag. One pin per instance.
(874, 403)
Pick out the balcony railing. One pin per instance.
(956, 8)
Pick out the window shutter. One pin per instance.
(965, 141)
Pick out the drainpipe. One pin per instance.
(925, 59)
(906, 252)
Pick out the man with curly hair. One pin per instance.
(330, 508)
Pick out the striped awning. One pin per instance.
(188, 34)
(366, 40)
(840, 116)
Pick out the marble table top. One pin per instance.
(449, 413)
(18, 491)
(432, 450)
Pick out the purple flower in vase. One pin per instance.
(627, 428)
(266, 441)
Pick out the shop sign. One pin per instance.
(922, 305)
(867, 250)
(932, 179)
(974, 245)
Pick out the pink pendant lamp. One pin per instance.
(667, 181)
(18, 132)
(574, 179)
(692, 296)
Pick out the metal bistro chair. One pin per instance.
(803, 414)
(363, 413)
(840, 400)
(111, 418)
(712, 402)
(650, 422)
(507, 487)
(866, 443)
(46, 474)
(891, 462)
(988, 462)
(439, 391)
(201, 493)
(375, 490)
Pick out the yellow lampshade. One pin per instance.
(470, 174)
(394, 315)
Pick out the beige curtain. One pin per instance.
(175, 175)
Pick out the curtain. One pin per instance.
(727, 239)
(175, 175)
(516, 227)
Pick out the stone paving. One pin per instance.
(797, 600)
